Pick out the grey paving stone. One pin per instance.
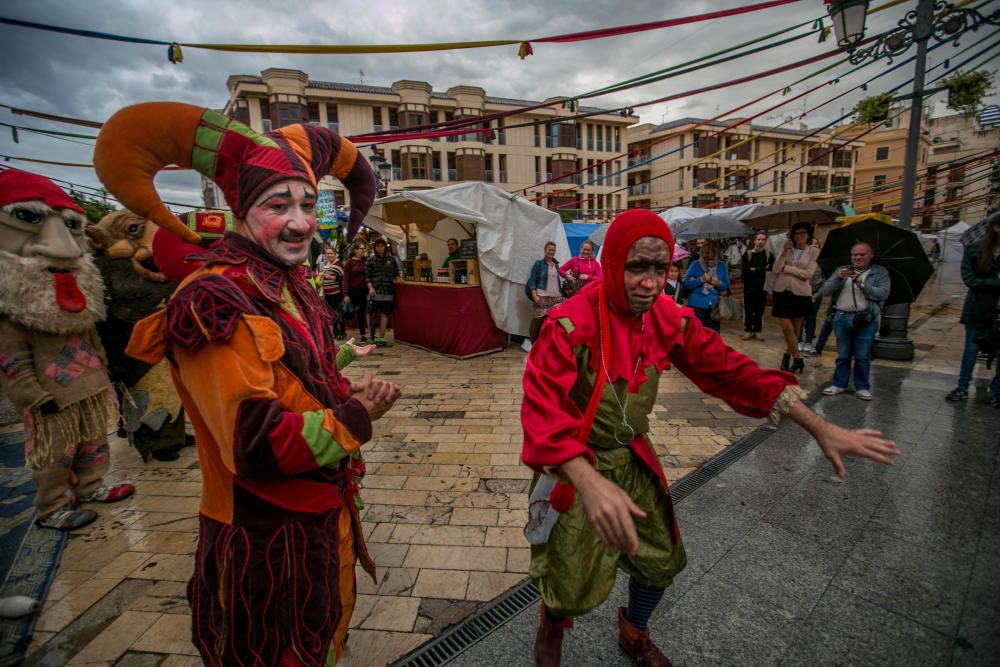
(925, 585)
(843, 629)
(717, 622)
(984, 586)
(978, 640)
(785, 569)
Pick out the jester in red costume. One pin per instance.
(589, 387)
(251, 353)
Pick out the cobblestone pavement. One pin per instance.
(444, 504)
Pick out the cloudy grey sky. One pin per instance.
(87, 78)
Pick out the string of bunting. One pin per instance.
(525, 48)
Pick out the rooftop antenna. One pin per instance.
(361, 76)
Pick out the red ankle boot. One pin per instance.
(548, 641)
(638, 644)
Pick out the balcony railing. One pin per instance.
(641, 189)
(436, 174)
(489, 176)
(503, 176)
(397, 173)
(335, 127)
(453, 174)
(378, 128)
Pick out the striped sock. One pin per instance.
(642, 600)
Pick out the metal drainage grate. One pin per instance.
(468, 633)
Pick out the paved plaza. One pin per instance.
(445, 502)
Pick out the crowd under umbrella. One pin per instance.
(710, 227)
(897, 249)
(783, 216)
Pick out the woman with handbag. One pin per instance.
(581, 270)
(793, 301)
(981, 273)
(704, 283)
(545, 283)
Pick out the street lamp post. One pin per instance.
(383, 172)
(918, 26)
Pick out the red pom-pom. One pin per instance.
(562, 497)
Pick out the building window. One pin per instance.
(377, 118)
(393, 119)
(332, 120)
(882, 153)
(288, 114)
(600, 138)
(607, 137)
(314, 112)
(878, 182)
(618, 140)
(841, 184)
(842, 159)
(590, 137)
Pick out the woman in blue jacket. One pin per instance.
(545, 283)
(704, 283)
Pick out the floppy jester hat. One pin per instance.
(140, 140)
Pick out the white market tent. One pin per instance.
(510, 233)
(678, 213)
(950, 242)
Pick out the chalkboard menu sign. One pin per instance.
(412, 250)
(468, 250)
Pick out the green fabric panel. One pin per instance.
(208, 137)
(215, 118)
(609, 413)
(259, 139)
(203, 161)
(326, 450)
(575, 571)
(345, 355)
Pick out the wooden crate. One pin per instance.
(471, 267)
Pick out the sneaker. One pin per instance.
(758, 335)
(68, 518)
(379, 341)
(800, 347)
(863, 394)
(957, 394)
(526, 345)
(810, 353)
(108, 494)
(808, 349)
(833, 390)
(747, 336)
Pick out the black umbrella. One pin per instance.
(897, 249)
(709, 227)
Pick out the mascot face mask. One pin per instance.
(43, 243)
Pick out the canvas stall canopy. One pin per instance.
(510, 234)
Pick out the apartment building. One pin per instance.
(520, 151)
(680, 164)
(880, 166)
(963, 168)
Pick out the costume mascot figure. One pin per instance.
(152, 416)
(52, 364)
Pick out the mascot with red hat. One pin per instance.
(53, 365)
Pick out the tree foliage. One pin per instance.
(94, 207)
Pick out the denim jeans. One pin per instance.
(853, 343)
(809, 323)
(969, 361)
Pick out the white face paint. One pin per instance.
(283, 220)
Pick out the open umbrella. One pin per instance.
(709, 227)
(897, 249)
(680, 252)
(783, 216)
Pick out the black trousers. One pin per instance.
(359, 297)
(754, 302)
(335, 301)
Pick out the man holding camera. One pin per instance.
(859, 291)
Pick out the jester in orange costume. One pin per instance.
(277, 427)
(589, 387)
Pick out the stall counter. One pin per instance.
(453, 320)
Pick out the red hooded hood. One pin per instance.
(626, 229)
(18, 186)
